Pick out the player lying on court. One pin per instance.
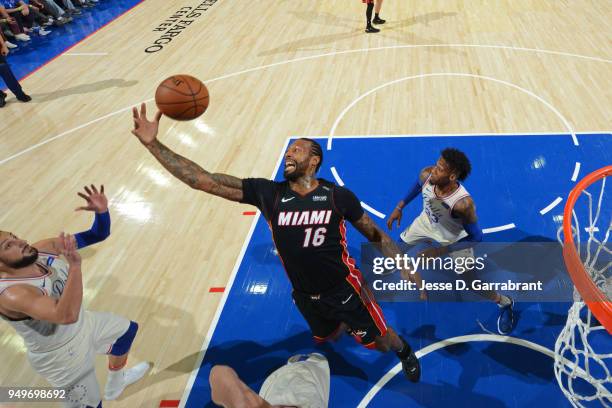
(449, 218)
(307, 217)
(303, 382)
(41, 295)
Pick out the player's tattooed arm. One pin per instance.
(465, 210)
(194, 176)
(370, 230)
(227, 180)
(188, 172)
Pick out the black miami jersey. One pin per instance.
(309, 231)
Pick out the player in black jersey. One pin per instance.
(307, 217)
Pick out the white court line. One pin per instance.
(497, 229)
(434, 135)
(448, 74)
(489, 134)
(448, 342)
(79, 54)
(576, 171)
(312, 57)
(228, 287)
(412, 46)
(373, 211)
(551, 205)
(336, 176)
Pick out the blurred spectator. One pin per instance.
(69, 7)
(40, 18)
(21, 13)
(5, 21)
(7, 42)
(9, 77)
(15, 29)
(51, 7)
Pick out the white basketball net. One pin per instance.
(577, 363)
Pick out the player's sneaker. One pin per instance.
(378, 20)
(24, 97)
(371, 29)
(505, 321)
(116, 385)
(412, 367)
(410, 364)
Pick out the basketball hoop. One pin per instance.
(582, 372)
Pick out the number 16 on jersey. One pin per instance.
(315, 239)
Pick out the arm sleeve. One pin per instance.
(474, 234)
(415, 190)
(260, 193)
(99, 231)
(348, 204)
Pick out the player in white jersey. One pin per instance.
(41, 294)
(301, 383)
(449, 218)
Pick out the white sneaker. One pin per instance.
(43, 32)
(10, 44)
(22, 37)
(116, 383)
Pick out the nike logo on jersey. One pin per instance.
(284, 200)
(292, 218)
(347, 299)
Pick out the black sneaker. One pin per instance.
(2, 101)
(378, 20)
(24, 98)
(370, 29)
(412, 367)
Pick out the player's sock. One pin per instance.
(410, 362)
(503, 301)
(405, 351)
(506, 320)
(120, 377)
(369, 10)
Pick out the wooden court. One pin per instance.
(274, 70)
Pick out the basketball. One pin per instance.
(182, 97)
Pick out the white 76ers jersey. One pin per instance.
(439, 211)
(40, 336)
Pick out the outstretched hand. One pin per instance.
(396, 215)
(144, 129)
(69, 249)
(96, 200)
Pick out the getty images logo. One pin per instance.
(388, 265)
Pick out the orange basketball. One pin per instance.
(182, 97)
